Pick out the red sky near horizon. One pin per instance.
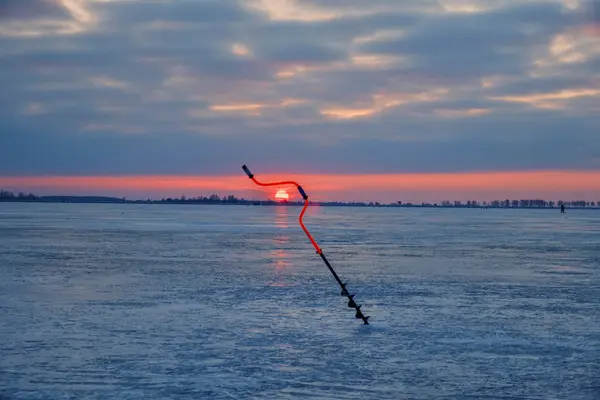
(292, 85)
(415, 187)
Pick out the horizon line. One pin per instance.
(569, 184)
(495, 203)
(224, 198)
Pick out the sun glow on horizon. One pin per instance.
(282, 195)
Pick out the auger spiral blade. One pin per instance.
(351, 302)
(344, 290)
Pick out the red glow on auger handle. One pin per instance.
(351, 303)
(302, 193)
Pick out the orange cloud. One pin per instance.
(560, 95)
(289, 10)
(254, 108)
(240, 49)
(380, 187)
(467, 112)
(107, 82)
(382, 102)
(78, 10)
(557, 100)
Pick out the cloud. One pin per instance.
(23, 10)
(184, 87)
(212, 12)
(494, 42)
(38, 18)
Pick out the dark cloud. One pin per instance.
(540, 85)
(301, 53)
(339, 30)
(196, 12)
(539, 142)
(494, 42)
(28, 9)
(376, 5)
(460, 104)
(592, 10)
(133, 93)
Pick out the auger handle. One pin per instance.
(302, 193)
(247, 171)
(251, 176)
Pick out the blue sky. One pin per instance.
(122, 87)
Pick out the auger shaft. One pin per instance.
(345, 292)
(351, 302)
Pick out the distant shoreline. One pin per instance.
(234, 201)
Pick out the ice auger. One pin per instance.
(351, 302)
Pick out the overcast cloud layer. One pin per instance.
(203, 86)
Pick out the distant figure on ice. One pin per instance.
(562, 208)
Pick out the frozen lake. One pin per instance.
(231, 302)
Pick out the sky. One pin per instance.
(382, 100)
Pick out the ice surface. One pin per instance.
(220, 302)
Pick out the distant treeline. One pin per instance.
(30, 197)
(231, 199)
(6, 195)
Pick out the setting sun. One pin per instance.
(282, 195)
